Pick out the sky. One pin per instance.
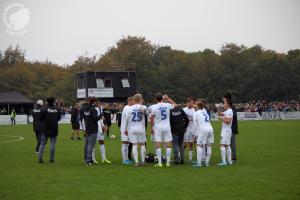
(62, 30)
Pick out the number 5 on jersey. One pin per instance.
(163, 114)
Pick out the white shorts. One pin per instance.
(205, 137)
(162, 136)
(100, 136)
(225, 136)
(124, 138)
(137, 138)
(82, 125)
(188, 136)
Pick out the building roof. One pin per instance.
(13, 98)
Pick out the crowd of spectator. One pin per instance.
(266, 106)
(251, 106)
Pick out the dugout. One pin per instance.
(108, 86)
(16, 100)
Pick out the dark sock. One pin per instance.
(129, 151)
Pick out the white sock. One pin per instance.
(199, 154)
(223, 154)
(124, 150)
(168, 152)
(228, 150)
(93, 154)
(204, 154)
(190, 155)
(135, 153)
(143, 153)
(102, 151)
(158, 154)
(208, 154)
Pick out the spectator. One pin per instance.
(179, 122)
(37, 124)
(91, 123)
(75, 119)
(13, 117)
(50, 115)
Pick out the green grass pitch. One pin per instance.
(268, 168)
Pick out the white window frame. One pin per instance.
(125, 83)
(100, 83)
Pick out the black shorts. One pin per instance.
(75, 125)
(107, 122)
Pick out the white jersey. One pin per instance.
(149, 110)
(229, 114)
(100, 122)
(161, 112)
(201, 121)
(189, 112)
(123, 127)
(135, 119)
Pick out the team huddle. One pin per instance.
(133, 130)
(165, 117)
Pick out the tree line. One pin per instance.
(249, 73)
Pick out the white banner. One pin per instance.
(20, 119)
(101, 92)
(290, 115)
(65, 119)
(248, 116)
(275, 115)
(81, 93)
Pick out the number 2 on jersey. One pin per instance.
(206, 117)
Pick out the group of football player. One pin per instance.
(198, 131)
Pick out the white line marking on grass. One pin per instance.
(17, 138)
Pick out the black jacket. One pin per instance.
(84, 107)
(107, 114)
(179, 121)
(74, 114)
(49, 117)
(118, 118)
(37, 124)
(234, 126)
(91, 119)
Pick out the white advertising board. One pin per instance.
(81, 93)
(20, 119)
(101, 92)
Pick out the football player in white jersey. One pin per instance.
(189, 133)
(160, 116)
(100, 137)
(151, 124)
(205, 134)
(226, 118)
(204, 110)
(124, 132)
(135, 123)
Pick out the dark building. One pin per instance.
(108, 86)
(16, 100)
